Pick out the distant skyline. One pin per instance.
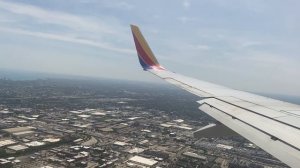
(248, 45)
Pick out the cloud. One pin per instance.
(202, 47)
(268, 59)
(113, 4)
(251, 43)
(184, 19)
(60, 37)
(70, 21)
(118, 5)
(6, 20)
(186, 4)
(81, 30)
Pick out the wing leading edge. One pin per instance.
(272, 125)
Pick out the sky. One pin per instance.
(250, 45)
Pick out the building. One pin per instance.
(6, 142)
(5, 163)
(194, 155)
(51, 140)
(141, 161)
(135, 150)
(17, 148)
(119, 143)
(20, 131)
(224, 146)
(35, 143)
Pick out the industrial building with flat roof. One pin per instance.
(194, 155)
(143, 161)
(17, 147)
(35, 143)
(18, 129)
(7, 142)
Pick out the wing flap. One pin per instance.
(281, 150)
(273, 128)
(291, 120)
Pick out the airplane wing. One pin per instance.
(272, 125)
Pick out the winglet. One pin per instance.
(145, 55)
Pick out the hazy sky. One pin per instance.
(250, 45)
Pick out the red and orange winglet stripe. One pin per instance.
(146, 56)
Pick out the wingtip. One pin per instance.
(133, 26)
(145, 54)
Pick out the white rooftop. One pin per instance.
(119, 143)
(7, 142)
(166, 125)
(5, 111)
(22, 121)
(194, 155)
(82, 125)
(133, 118)
(18, 129)
(136, 150)
(224, 146)
(51, 140)
(23, 133)
(99, 113)
(17, 147)
(144, 141)
(183, 126)
(35, 143)
(84, 116)
(179, 120)
(76, 112)
(142, 160)
(145, 130)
